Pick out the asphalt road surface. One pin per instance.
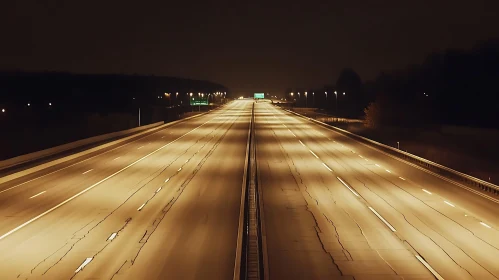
(337, 209)
(165, 206)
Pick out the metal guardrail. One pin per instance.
(249, 264)
(435, 167)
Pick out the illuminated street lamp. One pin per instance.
(50, 103)
(306, 100)
(336, 95)
(313, 98)
(3, 110)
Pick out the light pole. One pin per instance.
(199, 101)
(313, 99)
(306, 100)
(326, 99)
(336, 95)
(398, 145)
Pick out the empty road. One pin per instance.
(336, 209)
(165, 206)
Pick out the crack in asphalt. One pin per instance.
(300, 183)
(170, 204)
(329, 153)
(152, 177)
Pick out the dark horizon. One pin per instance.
(246, 47)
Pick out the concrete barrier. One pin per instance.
(73, 145)
(100, 147)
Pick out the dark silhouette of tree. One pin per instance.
(352, 103)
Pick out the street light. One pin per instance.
(398, 145)
(313, 98)
(336, 95)
(306, 100)
(50, 104)
(3, 110)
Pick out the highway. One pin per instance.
(337, 209)
(165, 206)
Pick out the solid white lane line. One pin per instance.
(141, 206)
(327, 167)
(388, 171)
(86, 172)
(426, 191)
(450, 204)
(485, 225)
(116, 158)
(37, 194)
(179, 169)
(94, 185)
(382, 219)
(313, 154)
(402, 178)
(427, 265)
(167, 180)
(112, 236)
(87, 261)
(301, 143)
(157, 191)
(140, 147)
(345, 184)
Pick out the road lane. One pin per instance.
(316, 228)
(452, 239)
(54, 246)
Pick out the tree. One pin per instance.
(353, 101)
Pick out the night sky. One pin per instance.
(246, 45)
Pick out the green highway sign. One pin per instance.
(259, 95)
(197, 101)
